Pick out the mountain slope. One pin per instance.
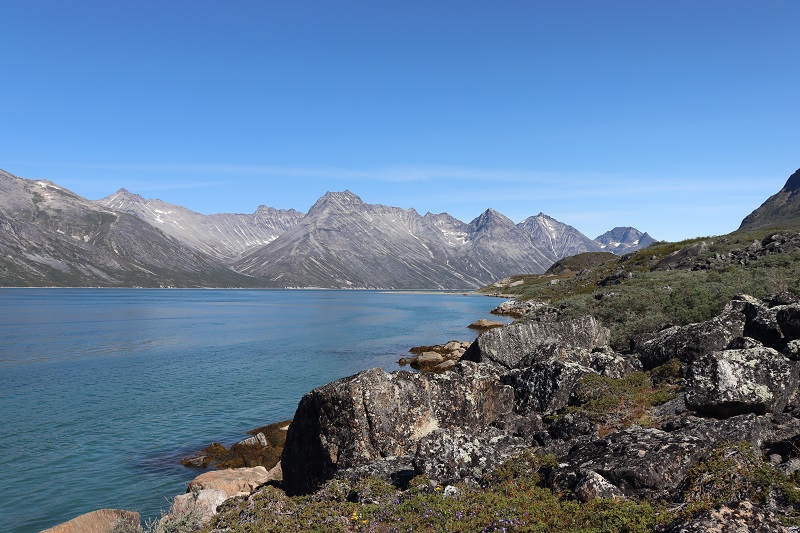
(345, 242)
(561, 240)
(50, 236)
(225, 237)
(622, 240)
(782, 209)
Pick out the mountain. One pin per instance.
(622, 240)
(345, 242)
(50, 236)
(561, 240)
(225, 237)
(782, 209)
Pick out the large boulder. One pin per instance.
(545, 386)
(232, 481)
(448, 456)
(518, 345)
(376, 414)
(693, 340)
(100, 521)
(732, 382)
(654, 463)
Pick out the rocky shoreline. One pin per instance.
(638, 426)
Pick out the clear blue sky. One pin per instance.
(676, 117)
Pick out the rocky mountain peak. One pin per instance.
(491, 218)
(344, 200)
(793, 183)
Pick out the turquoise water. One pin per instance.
(102, 391)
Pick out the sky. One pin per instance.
(678, 118)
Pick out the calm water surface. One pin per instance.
(102, 391)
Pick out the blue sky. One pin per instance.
(678, 118)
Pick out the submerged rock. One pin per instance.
(100, 521)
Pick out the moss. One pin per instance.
(616, 404)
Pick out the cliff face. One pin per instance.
(225, 237)
(53, 237)
(782, 209)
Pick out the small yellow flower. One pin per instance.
(438, 487)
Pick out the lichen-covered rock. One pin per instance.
(638, 461)
(376, 414)
(693, 340)
(593, 486)
(518, 345)
(451, 455)
(545, 386)
(731, 382)
(517, 308)
(196, 507)
(739, 517)
(788, 318)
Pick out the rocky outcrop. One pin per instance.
(101, 521)
(375, 415)
(448, 456)
(516, 308)
(520, 344)
(545, 386)
(209, 490)
(436, 358)
(687, 342)
(731, 382)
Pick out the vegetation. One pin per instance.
(510, 499)
(653, 297)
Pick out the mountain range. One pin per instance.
(50, 236)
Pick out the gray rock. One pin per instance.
(375, 414)
(688, 342)
(452, 455)
(518, 345)
(545, 386)
(594, 486)
(731, 382)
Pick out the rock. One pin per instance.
(258, 440)
(688, 342)
(444, 366)
(100, 521)
(518, 345)
(739, 517)
(428, 359)
(788, 318)
(452, 455)
(516, 308)
(486, 324)
(594, 486)
(761, 322)
(731, 382)
(452, 346)
(640, 462)
(232, 481)
(545, 386)
(375, 414)
(195, 508)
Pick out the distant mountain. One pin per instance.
(223, 236)
(782, 209)
(561, 240)
(50, 236)
(622, 240)
(345, 242)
